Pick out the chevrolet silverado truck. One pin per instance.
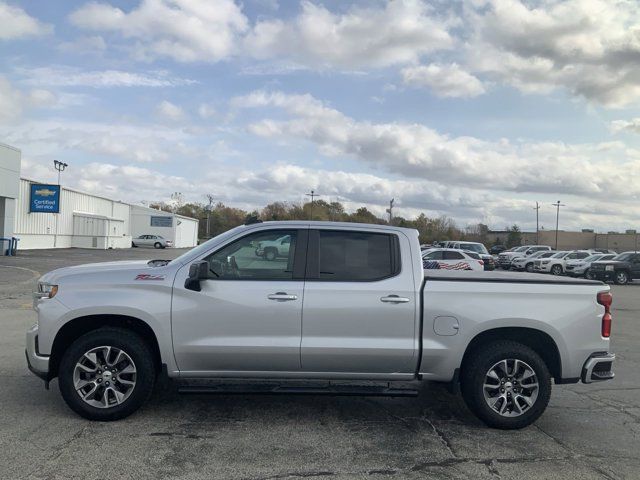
(350, 302)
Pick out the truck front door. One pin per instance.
(247, 316)
(360, 307)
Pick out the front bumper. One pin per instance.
(38, 364)
(603, 275)
(598, 367)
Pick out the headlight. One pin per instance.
(609, 268)
(46, 290)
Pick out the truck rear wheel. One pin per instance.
(621, 277)
(506, 384)
(106, 374)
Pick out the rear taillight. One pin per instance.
(481, 262)
(605, 299)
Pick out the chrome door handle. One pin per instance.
(394, 299)
(282, 297)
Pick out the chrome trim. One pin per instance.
(591, 363)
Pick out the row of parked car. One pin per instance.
(600, 264)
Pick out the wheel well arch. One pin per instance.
(539, 341)
(79, 326)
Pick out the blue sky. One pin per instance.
(471, 109)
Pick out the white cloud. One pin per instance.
(399, 33)
(170, 111)
(14, 102)
(416, 151)
(590, 48)
(206, 111)
(184, 30)
(632, 125)
(62, 76)
(443, 80)
(85, 45)
(16, 23)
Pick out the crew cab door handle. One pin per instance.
(394, 299)
(282, 297)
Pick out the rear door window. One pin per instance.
(345, 256)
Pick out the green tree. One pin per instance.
(514, 237)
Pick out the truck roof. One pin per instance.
(316, 223)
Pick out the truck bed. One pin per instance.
(506, 277)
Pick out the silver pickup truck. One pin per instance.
(348, 302)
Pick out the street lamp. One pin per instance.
(59, 166)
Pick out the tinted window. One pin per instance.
(624, 257)
(437, 255)
(452, 255)
(474, 247)
(258, 256)
(356, 256)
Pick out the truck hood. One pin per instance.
(55, 276)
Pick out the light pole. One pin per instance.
(60, 167)
(557, 205)
(312, 195)
(537, 209)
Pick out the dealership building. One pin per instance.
(51, 216)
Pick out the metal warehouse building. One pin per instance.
(51, 216)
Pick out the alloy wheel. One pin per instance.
(104, 377)
(510, 387)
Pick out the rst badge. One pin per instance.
(148, 276)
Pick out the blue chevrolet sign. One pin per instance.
(44, 198)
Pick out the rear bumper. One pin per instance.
(598, 367)
(38, 364)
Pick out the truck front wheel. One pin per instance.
(106, 374)
(506, 384)
(621, 278)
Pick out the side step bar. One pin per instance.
(336, 390)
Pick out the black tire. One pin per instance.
(157, 245)
(587, 274)
(472, 380)
(124, 340)
(621, 277)
(529, 267)
(556, 270)
(270, 254)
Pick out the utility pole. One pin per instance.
(557, 205)
(390, 209)
(59, 166)
(210, 198)
(537, 209)
(312, 195)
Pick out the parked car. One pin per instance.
(497, 249)
(527, 263)
(604, 250)
(155, 241)
(480, 249)
(505, 258)
(451, 259)
(556, 264)
(272, 249)
(621, 268)
(371, 314)
(581, 268)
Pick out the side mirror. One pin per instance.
(197, 271)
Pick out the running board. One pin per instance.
(335, 390)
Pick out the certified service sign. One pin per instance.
(44, 198)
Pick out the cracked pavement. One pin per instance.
(588, 431)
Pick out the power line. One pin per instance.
(557, 205)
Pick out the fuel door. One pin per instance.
(446, 326)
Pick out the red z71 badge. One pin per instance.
(147, 276)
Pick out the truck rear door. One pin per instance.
(360, 310)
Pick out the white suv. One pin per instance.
(505, 258)
(556, 264)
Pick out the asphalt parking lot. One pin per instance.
(588, 431)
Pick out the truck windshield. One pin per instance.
(623, 257)
(474, 247)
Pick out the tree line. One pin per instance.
(217, 218)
